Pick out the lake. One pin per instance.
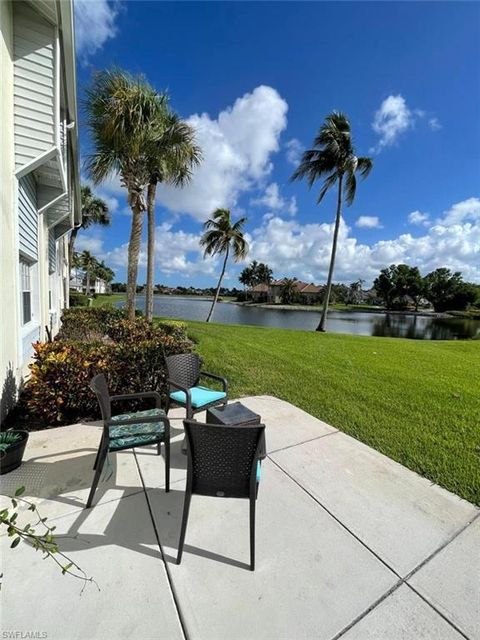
(402, 325)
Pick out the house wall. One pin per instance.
(33, 240)
(8, 227)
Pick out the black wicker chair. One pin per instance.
(128, 430)
(184, 373)
(223, 461)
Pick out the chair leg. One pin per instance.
(183, 530)
(98, 454)
(102, 454)
(252, 534)
(167, 465)
(159, 448)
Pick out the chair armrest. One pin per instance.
(139, 396)
(224, 382)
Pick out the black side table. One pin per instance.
(236, 414)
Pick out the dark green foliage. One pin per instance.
(98, 340)
(78, 299)
(8, 438)
(447, 291)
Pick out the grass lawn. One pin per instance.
(416, 401)
(102, 300)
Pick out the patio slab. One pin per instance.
(451, 581)
(402, 616)
(311, 579)
(398, 514)
(116, 545)
(57, 471)
(339, 528)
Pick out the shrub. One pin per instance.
(77, 299)
(131, 354)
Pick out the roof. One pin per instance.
(312, 288)
(260, 288)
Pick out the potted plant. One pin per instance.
(12, 448)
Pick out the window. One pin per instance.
(25, 274)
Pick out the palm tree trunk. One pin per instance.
(87, 284)
(152, 188)
(133, 253)
(210, 313)
(71, 247)
(323, 319)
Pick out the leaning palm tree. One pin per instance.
(219, 238)
(124, 114)
(333, 159)
(171, 157)
(94, 211)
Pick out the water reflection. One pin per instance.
(366, 324)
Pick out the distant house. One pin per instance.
(78, 283)
(307, 293)
(39, 176)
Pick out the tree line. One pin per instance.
(443, 289)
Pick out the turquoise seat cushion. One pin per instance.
(259, 471)
(200, 396)
(136, 435)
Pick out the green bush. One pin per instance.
(77, 299)
(131, 354)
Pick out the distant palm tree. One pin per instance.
(219, 238)
(89, 264)
(333, 159)
(94, 211)
(171, 156)
(288, 290)
(124, 114)
(264, 273)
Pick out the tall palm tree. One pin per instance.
(333, 159)
(221, 236)
(124, 114)
(288, 290)
(94, 211)
(171, 157)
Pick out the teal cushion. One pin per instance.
(200, 396)
(259, 471)
(135, 435)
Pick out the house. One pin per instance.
(39, 176)
(78, 283)
(306, 293)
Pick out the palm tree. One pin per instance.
(333, 159)
(264, 273)
(288, 290)
(89, 264)
(219, 237)
(171, 156)
(94, 211)
(124, 115)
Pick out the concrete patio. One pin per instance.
(349, 544)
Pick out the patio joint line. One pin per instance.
(175, 598)
(401, 580)
(298, 444)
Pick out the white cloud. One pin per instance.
(272, 199)
(391, 120)
(291, 248)
(417, 217)
(368, 222)
(237, 148)
(294, 151)
(94, 25)
(461, 212)
(395, 117)
(89, 242)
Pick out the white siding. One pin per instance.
(28, 217)
(34, 84)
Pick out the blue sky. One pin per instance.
(256, 80)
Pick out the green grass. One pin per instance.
(415, 401)
(102, 300)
